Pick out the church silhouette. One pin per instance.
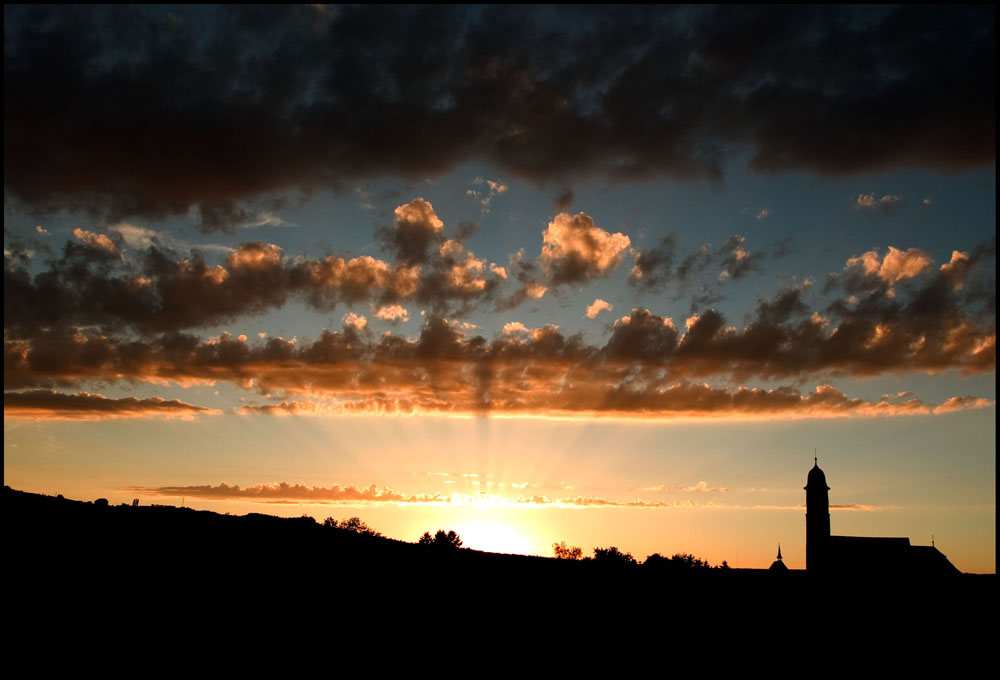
(860, 555)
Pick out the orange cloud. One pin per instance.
(467, 276)
(700, 486)
(393, 313)
(256, 256)
(962, 404)
(353, 320)
(850, 507)
(897, 265)
(514, 327)
(574, 249)
(597, 307)
(95, 240)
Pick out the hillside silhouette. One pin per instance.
(90, 560)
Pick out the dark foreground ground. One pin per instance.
(161, 578)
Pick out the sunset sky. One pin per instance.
(606, 276)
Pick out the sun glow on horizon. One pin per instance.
(494, 537)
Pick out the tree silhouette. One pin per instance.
(656, 560)
(678, 561)
(564, 552)
(441, 539)
(354, 525)
(357, 526)
(688, 561)
(612, 556)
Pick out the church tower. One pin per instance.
(817, 519)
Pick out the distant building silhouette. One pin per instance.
(857, 555)
(778, 565)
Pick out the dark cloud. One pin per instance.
(564, 200)
(886, 205)
(529, 274)
(642, 336)
(652, 268)
(693, 263)
(737, 261)
(784, 247)
(228, 215)
(50, 405)
(285, 491)
(704, 297)
(962, 265)
(121, 111)
(414, 230)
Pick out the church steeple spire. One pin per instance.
(778, 565)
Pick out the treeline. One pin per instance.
(614, 556)
(602, 556)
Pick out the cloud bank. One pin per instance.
(543, 93)
(647, 368)
(353, 495)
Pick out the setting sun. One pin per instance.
(493, 536)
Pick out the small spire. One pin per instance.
(779, 551)
(815, 458)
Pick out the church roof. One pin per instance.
(896, 555)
